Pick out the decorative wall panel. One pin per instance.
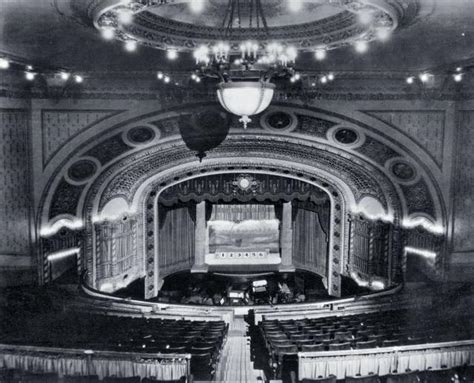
(14, 182)
(106, 151)
(59, 126)
(463, 187)
(116, 249)
(424, 127)
(65, 199)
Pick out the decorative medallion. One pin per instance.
(141, 135)
(279, 121)
(245, 183)
(346, 136)
(403, 171)
(82, 171)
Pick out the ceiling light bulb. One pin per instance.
(458, 77)
(331, 76)
(198, 79)
(297, 76)
(292, 79)
(313, 84)
(130, 46)
(160, 75)
(424, 77)
(320, 54)
(29, 67)
(78, 79)
(4, 63)
(324, 79)
(172, 54)
(108, 33)
(383, 33)
(30, 76)
(295, 5)
(365, 16)
(64, 76)
(410, 80)
(194, 76)
(361, 46)
(196, 6)
(125, 16)
(166, 79)
(458, 69)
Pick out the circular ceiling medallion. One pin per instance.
(345, 136)
(141, 135)
(82, 171)
(279, 120)
(180, 25)
(403, 171)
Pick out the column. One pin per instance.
(200, 239)
(286, 239)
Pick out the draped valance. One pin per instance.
(383, 361)
(225, 187)
(103, 364)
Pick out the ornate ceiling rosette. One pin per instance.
(312, 25)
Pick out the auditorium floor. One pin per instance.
(237, 362)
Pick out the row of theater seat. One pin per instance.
(202, 339)
(445, 375)
(362, 331)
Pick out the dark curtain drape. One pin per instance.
(176, 238)
(310, 238)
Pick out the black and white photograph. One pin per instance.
(239, 191)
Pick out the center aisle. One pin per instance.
(235, 364)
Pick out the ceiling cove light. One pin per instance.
(383, 33)
(125, 16)
(361, 46)
(320, 54)
(457, 77)
(172, 54)
(64, 76)
(295, 5)
(196, 6)
(4, 63)
(410, 80)
(424, 77)
(131, 46)
(78, 79)
(30, 76)
(108, 33)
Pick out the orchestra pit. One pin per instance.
(236, 191)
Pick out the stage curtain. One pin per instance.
(382, 363)
(310, 241)
(242, 212)
(176, 239)
(166, 369)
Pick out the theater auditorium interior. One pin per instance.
(236, 191)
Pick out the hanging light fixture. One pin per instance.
(245, 98)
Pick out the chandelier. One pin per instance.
(245, 87)
(246, 44)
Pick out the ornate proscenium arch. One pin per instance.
(151, 193)
(139, 156)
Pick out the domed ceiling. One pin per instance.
(61, 33)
